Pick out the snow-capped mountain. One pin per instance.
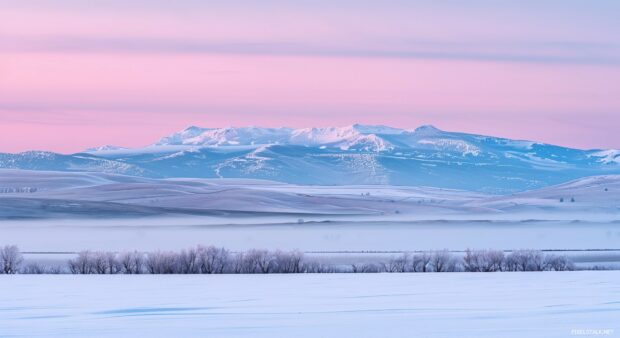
(48, 161)
(356, 154)
(354, 137)
(196, 136)
(351, 137)
(104, 148)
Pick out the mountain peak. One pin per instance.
(426, 128)
(193, 129)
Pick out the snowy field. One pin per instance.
(56, 212)
(31, 195)
(547, 304)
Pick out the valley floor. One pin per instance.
(547, 304)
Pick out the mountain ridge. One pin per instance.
(355, 154)
(356, 136)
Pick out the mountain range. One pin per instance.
(357, 154)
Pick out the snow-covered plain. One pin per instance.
(40, 195)
(547, 304)
(70, 212)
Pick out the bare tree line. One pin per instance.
(12, 190)
(519, 260)
(472, 261)
(214, 260)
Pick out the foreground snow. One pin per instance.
(349, 305)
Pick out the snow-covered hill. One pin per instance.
(596, 194)
(356, 154)
(41, 194)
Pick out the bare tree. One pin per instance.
(159, 262)
(558, 263)
(188, 261)
(398, 264)
(288, 262)
(471, 261)
(318, 267)
(214, 260)
(512, 262)
(34, 269)
(132, 263)
(105, 262)
(10, 259)
(82, 264)
(524, 260)
(537, 261)
(483, 260)
(441, 261)
(100, 263)
(258, 261)
(365, 268)
(238, 264)
(494, 259)
(421, 262)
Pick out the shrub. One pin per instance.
(10, 259)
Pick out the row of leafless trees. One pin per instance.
(520, 260)
(432, 261)
(9, 190)
(213, 260)
(198, 260)
(472, 261)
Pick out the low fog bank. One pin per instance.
(326, 235)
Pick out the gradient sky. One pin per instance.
(76, 74)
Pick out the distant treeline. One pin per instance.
(214, 260)
(11, 190)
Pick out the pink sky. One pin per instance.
(73, 77)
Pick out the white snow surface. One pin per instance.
(375, 138)
(78, 211)
(456, 145)
(359, 137)
(609, 156)
(547, 304)
(54, 194)
(356, 136)
(94, 194)
(104, 148)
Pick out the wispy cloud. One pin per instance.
(562, 52)
(103, 66)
